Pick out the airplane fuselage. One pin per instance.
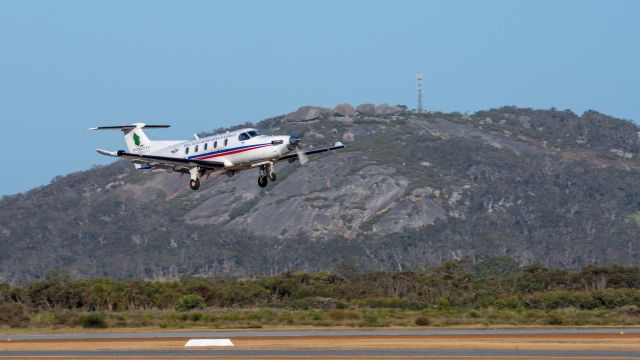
(236, 149)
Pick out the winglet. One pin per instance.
(339, 144)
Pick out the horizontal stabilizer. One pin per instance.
(108, 153)
(130, 127)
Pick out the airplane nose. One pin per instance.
(293, 141)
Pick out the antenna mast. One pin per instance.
(420, 90)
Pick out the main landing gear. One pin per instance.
(262, 181)
(195, 173)
(194, 184)
(267, 172)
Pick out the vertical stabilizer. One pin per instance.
(137, 141)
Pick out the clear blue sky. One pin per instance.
(197, 65)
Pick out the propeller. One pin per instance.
(294, 143)
(302, 157)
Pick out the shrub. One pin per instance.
(389, 302)
(629, 310)
(554, 319)
(474, 314)
(13, 314)
(93, 320)
(341, 305)
(339, 315)
(370, 319)
(613, 298)
(423, 321)
(196, 316)
(190, 302)
(507, 301)
(66, 318)
(443, 303)
(302, 304)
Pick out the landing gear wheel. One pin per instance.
(194, 184)
(262, 181)
(272, 176)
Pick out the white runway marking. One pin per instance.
(209, 342)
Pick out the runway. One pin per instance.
(314, 333)
(605, 343)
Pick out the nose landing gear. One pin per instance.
(267, 172)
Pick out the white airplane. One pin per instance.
(229, 152)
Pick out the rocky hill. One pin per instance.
(410, 190)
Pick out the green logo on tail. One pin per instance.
(136, 139)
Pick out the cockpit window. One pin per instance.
(254, 133)
(243, 137)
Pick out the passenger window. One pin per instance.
(215, 144)
(205, 146)
(243, 137)
(226, 141)
(196, 149)
(186, 150)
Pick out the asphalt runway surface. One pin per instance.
(458, 339)
(307, 333)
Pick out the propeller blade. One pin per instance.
(302, 157)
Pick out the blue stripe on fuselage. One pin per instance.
(226, 150)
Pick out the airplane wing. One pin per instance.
(163, 161)
(294, 156)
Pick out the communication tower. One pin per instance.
(420, 90)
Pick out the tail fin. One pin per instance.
(137, 141)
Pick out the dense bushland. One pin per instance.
(496, 290)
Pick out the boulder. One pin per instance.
(622, 153)
(345, 110)
(308, 113)
(386, 109)
(366, 109)
(348, 137)
(314, 135)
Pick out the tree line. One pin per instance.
(496, 282)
